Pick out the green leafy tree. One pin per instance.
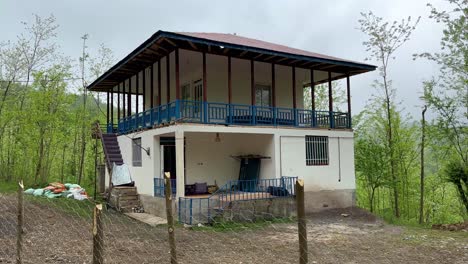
(383, 40)
(447, 94)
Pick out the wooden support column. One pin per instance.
(137, 90)
(229, 81)
(98, 235)
(108, 107)
(118, 101)
(129, 97)
(205, 89)
(124, 108)
(159, 82)
(301, 223)
(204, 78)
(330, 93)
(348, 94)
(144, 89)
(330, 101)
(294, 86)
(168, 78)
(19, 223)
(177, 74)
(273, 86)
(252, 83)
(112, 106)
(170, 217)
(152, 86)
(312, 89)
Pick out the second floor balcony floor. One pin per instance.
(183, 111)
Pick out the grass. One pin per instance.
(8, 187)
(232, 226)
(81, 209)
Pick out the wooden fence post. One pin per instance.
(301, 222)
(170, 217)
(98, 232)
(19, 226)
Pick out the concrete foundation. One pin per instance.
(319, 200)
(248, 211)
(255, 210)
(156, 205)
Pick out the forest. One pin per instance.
(410, 169)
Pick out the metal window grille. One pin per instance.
(316, 150)
(136, 152)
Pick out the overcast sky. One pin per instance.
(328, 27)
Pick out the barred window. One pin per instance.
(316, 150)
(136, 152)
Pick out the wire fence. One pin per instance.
(37, 229)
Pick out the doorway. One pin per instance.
(169, 160)
(168, 156)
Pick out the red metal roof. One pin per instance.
(255, 43)
(155, 47)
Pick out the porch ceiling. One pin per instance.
(163, 43)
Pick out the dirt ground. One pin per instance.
(63, 235)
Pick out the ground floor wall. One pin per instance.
(327, 199)
(210, 150)
(156, 205)
(248, 211)
(259, 210)
(338, 174)
(213, 158)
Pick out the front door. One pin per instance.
(168, 156)
(169, 160)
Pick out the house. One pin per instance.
(224, 112)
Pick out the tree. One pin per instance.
(370, 155)
(47, 103)
(447, 94)
(383, 40)
(457, 173)
(18, 62)
(423, 137)
(321, 96)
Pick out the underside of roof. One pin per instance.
(163, 43)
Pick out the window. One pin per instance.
(262, 95)
(136, 152)
(198, 90)
(198, 95)
(186, 94)
(316, 150)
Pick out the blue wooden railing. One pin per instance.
(160, 185)
(204, 210)
(230, 114)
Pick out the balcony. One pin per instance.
(183, 111)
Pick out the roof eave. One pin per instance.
(165, 34)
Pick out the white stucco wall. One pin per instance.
(207, 160)
(338, 174)
(143, 176)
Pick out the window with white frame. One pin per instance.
(136, 152)
(262, 95)
(316, 150)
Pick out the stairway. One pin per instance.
(125, 199)
(111, 150)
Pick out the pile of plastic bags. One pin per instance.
(57, 189)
